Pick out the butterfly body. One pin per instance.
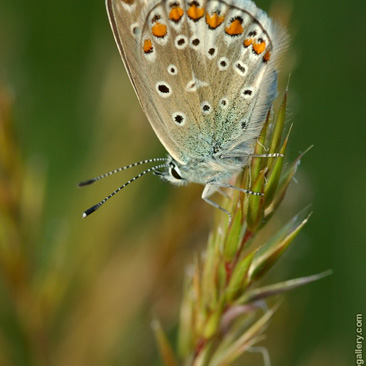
(203, 71)
(205, 74)
(210, 167)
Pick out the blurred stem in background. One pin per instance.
(21, 198)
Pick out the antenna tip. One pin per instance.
(91, 210)
(86, 182)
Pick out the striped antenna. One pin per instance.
(95, 207)
(92, 180)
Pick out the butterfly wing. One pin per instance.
(203, 70)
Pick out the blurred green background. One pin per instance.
(83, 292)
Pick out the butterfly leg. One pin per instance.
(208, 191)
(227, 185)
(274, 155)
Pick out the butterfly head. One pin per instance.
(174, 172)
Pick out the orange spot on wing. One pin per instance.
(267, 56)
(214, 21)
(176, 14)
(129, 2)
(247, 42)
(148, 47)
(235, 28)
(259, 47)
(159, 30)
(195, 13)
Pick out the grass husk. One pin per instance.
(224, 311)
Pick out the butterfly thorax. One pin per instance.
(219, 166)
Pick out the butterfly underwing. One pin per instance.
(205, 74)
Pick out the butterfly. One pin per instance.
(204, 72)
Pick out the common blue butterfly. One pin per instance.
(205, 74)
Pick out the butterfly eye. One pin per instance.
(174, 171)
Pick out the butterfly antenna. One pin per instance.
(92, 180)
(95, 207)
